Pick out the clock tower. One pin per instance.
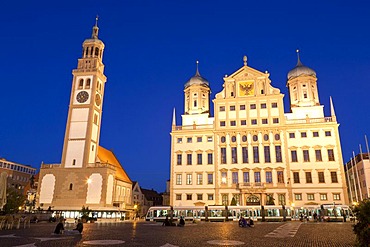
(82, 134)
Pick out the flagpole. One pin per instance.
(358, 179)
(349, 183)
(354, 182)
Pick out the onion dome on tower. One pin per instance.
(197, 93)
(300, 69)
(197, 79)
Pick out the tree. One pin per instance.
(362, 227)
(85, 211)
(14, 200)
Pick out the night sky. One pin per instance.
(151, 50)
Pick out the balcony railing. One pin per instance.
(250, 185)
(193, 127)
(309, 120)
(94, 165)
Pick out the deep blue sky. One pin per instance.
(151, 49)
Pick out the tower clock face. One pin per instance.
(82, 97)
(97, 99)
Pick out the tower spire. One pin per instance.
(332, 111)
(197, 71)
(95, 30)
(174, 117)
(299, 63)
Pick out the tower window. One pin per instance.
(74, 162)
(96, 119)
(86, 51)
(81, 84)
(88, 82)
(92, 148)
(70, 186)
(305, 95)
(91, 51)
(195, 103)
(96, 51)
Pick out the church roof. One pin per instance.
(197, 79)
(108, 156)
(300, 69)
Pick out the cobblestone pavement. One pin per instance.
(199, 234)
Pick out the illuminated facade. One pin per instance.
(252, 152)
(89, 175)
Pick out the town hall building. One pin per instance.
(252, 152)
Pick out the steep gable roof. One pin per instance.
(106, 156)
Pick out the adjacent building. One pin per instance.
(252, 152)
(88, 175)
(18, 175)
(358, 177)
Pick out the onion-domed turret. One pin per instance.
(197, 79)
(300, 69)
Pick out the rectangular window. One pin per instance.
(210, 197)
(321, 177)
(293, 153)
(291, 135)
(310, 197)
(225, 199)
(199, 159)
(256, 156)
(223, 155)
(189, 197)
(199, 139)
(323, 197)
(188, 159)
(336, 197)
(210, 178)
(279, 157)
(233, 123)
(280, 177)
(331, 155)
(274, 105)
(303, 134)
(210, 158)
(199, 197)
(254, 121)
(264, 121)
(298, 197)
(223, 177)
(296, 177)
(245, 154)
(235, 177)
(266, 150)
(275, 120)
(189, 179)
(269, 177)
(306, 156)
(179, 140)
(209, 139)
(252, 106)
(243, 122)
(308, 177)
(199, 179)
(327, 133)
(179, 159)
(245, 177)
(222, 123)
(178, 197)
(263, 106)
(234, 155)
(242, 107)
(222, 108)
(318, 155)
(315, 134)
(232, 108)
(178, 179)
(334, 178)
(257, 177)
(281, 199)
(189, 140)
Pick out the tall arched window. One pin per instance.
(81, 84)
(96, 51)
(195, 103)
(70, 186)
(91, 51)
(88, 83)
